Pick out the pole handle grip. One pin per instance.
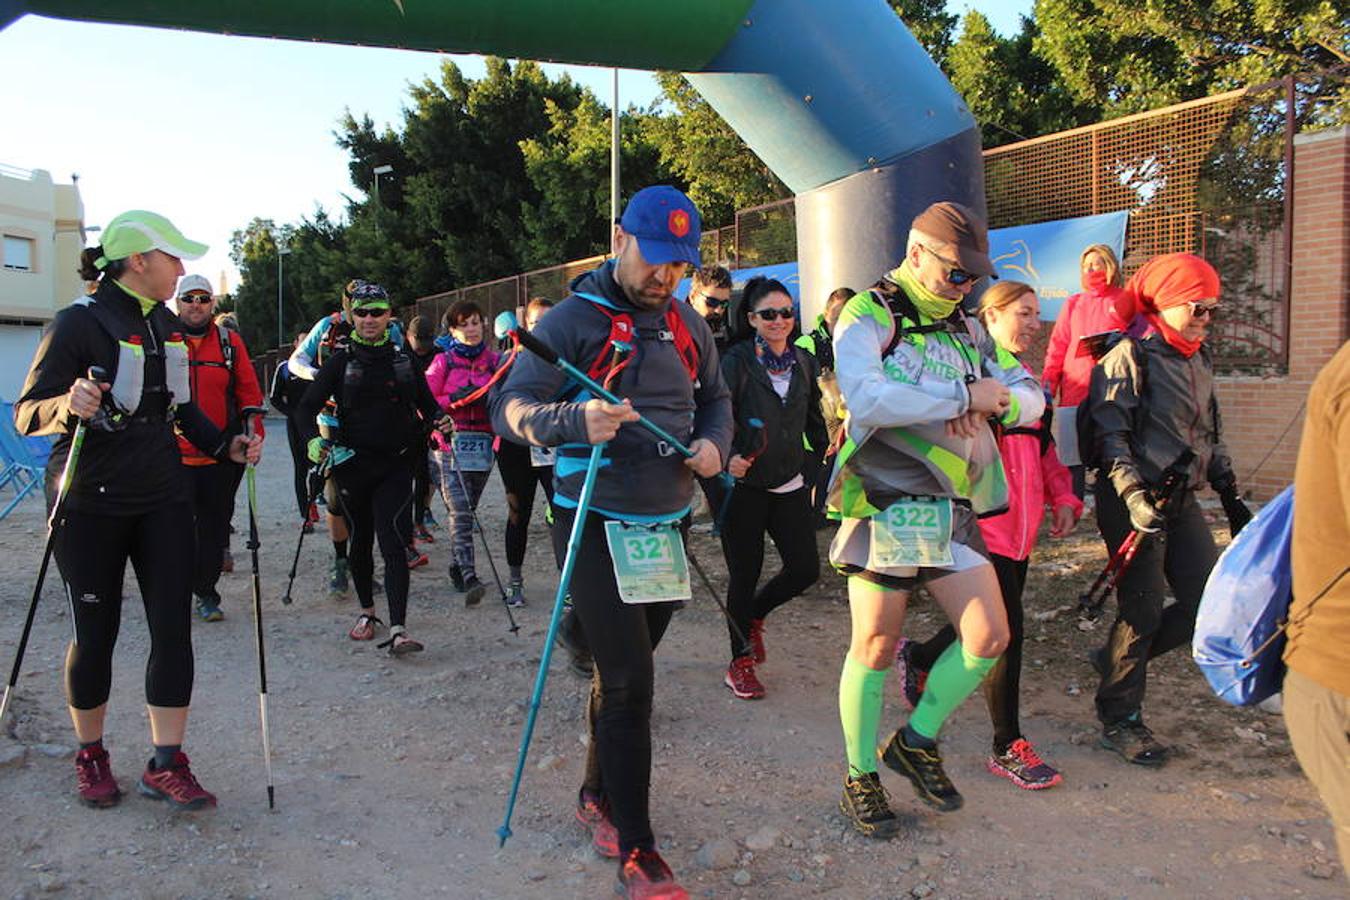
(537, 347)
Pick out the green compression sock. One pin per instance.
(860, 713)
(953, 678)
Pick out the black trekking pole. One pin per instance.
(317, 475)
(96, 374)
(248, 413)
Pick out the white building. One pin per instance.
(41, 236)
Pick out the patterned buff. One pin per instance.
(468, 351)
(775, 363)
(1171, 280)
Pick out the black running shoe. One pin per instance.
(924, 770)
(1132, 740)
(866, 805)
(579, 660)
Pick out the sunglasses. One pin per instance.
(362, 312)
(203, 299)
(1202, 310)
(955, 274)
(768, 315)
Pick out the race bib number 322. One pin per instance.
(912, 533)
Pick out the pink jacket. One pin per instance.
(448, 373)
(1066, 371)
(1035, 480)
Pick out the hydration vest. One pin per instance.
(227, 363)
(623, 331)
(128, 386)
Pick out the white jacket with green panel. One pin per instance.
(898, 408)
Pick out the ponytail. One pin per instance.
(91, 272)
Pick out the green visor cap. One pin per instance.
(140, 231)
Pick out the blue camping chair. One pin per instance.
(22, 459)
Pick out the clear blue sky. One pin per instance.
(213, 131)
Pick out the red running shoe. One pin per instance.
(593, 814)
(416, 558)
(644, 875)
(313, 514)
(94, 779)
(1023, 766)
(175, 784)
(423, 534)
(757, 639)
(741, 679)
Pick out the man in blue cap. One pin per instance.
(670, 374)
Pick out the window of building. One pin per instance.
(17, 253)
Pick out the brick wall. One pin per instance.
(1257, 411)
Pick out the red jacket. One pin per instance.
(211, 384)
(1035, 480)
(1066, 371)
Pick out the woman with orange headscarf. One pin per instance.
(1152, 399)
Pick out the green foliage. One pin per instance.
(930, 23)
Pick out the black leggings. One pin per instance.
(622, 638)
(213, 491)
(422, 481)
(1180, 558)
(519, 476)
(299, 465)
(786, 518)
(376, 494)
(1003, 685)
(92, 553)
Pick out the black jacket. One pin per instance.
(378, 415)
(785, 421)
(120, 473)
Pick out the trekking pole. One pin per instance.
(757, 426)
(1090, 603)
(248, 413)
(505, 325)
(564, 581)
(478, 527)
(319, 475)
(96, 374)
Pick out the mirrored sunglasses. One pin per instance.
(196, 298)
(955, 274)
(768, 315)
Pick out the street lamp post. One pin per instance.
(380, 170)
(282, 250)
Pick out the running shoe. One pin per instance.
(579, 660)
(337, 579)
(473, 590)
(593, 814)
(175, 784)
(866, 804)
(94, 779)
(757, 639)
(208, 609)
(364, 629)
(457, 577)
(912, 680)
(313, 514)
(1132, 740)
(924, 770)
(307, 527)
(644, 875)
(1023, 766)
(516, 596)
(416, 558)
(423, 534)
(226, 560)
(741, 679)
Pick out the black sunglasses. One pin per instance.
(1202, 311)
(196, 298)
(362, 311)
(955, 274)
(768, 315)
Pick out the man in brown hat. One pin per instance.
(921, 381)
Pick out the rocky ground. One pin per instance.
(391, 775)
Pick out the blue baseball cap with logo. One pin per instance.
(665, 223)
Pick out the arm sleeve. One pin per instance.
(42, 407)
(247, 391)
(325, 383)
(1113, 399)
(1058, 481)
(302, 358)
(873, 399)
(1053, 371)
(520, 410)
(1026, 401)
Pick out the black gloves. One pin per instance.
(1144, 516)
(1237, 512)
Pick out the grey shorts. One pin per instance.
(852, 544)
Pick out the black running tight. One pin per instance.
(519, 477)
(1003, 685)
(92, 553)
(376, 494)
(622, 638)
